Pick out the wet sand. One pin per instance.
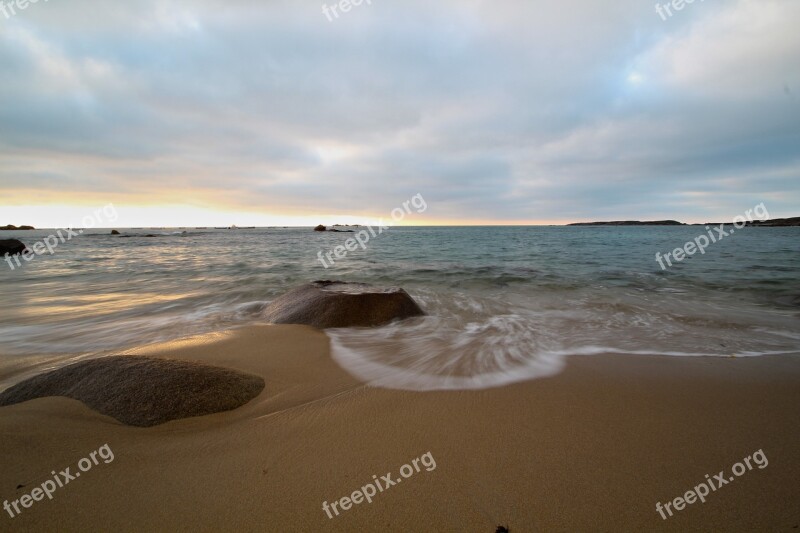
(593, 448)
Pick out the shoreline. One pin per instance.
(593, 447)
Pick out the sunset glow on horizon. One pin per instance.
(179, 216)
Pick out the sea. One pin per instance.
(503, 303)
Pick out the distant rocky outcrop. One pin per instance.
(334, 230)
(15, 228)
(12, 247)
(142, 391)
(631, 223)
(115, 232)
(333, 304)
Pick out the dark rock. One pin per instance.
(11, 247)
(114, 232)
(333, 304)
(142, 391)
(320, 228)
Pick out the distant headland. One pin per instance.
(772, 223)
(631, 223)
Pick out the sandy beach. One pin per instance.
(593, 448)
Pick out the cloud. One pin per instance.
(499, 111)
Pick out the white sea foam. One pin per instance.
(470, 344)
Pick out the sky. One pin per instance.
(200, 113)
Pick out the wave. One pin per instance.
(475, 343)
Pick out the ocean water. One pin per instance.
(504, 304)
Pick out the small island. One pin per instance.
(11, 227)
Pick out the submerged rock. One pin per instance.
(11, 247)
(142, 391)
(320, 228)
(333, 304)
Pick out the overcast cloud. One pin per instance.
(501, 111)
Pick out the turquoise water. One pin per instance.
(504, 303)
